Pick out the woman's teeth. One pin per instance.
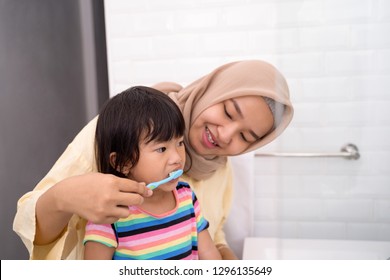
(209, 137)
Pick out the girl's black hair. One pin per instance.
(136, 114)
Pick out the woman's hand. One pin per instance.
(103, 198)
(100, 198)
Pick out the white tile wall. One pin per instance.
(336, 57)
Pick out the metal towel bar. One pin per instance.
(348, 151)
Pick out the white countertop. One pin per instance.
(257, 248)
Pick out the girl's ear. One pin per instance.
(113, 159)
(125, 170)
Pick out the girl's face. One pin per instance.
(157, 160)
(230, 127)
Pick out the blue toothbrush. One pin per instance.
(173, 175)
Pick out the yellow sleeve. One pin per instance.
(78, 158)
(227, 198)
(215, 198)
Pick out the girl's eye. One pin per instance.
(226, 112)
(161, 150)
(181, 143)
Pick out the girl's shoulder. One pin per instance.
(183, 186)
(184, 189)
(183, 183)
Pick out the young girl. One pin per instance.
(139, 136)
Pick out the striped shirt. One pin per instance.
(144, 236)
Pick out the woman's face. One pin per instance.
(230, 127)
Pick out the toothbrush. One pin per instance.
(173, 175)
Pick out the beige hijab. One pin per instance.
(241, 78)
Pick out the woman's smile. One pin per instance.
(208, 139)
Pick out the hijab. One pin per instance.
(232, 80)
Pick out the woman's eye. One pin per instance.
(226, 112)
(161, 150)
(243, 137)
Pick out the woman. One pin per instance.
(235, 109)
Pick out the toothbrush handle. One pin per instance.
(154, 185)
(173, 175)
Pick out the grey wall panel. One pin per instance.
(42, 98)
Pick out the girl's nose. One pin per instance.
(176, 157)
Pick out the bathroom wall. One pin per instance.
(335, 55)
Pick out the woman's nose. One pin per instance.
(226, 133)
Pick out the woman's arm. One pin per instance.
(100, 198)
